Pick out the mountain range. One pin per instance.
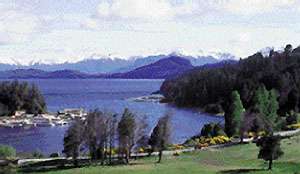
(157, 67)
(96, 64)
(161, 69)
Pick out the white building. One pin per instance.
(43, 120)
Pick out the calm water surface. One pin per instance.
(109, 95)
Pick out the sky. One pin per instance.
(55, 31)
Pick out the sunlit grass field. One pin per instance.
(237, 159)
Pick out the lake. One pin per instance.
(106, 94)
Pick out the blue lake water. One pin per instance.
(106, 94)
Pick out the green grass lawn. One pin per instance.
(237, 159)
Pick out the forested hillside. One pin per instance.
(20, 96)
(210, 88)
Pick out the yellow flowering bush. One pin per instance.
(178, 147)
(176, 153)
(212, 142)
(219, 140)
(141, 150)
(113, 151)
(205, 142)
(251, 134)
(294, 126)
(226, 139)
(202, 145)
(262, 133)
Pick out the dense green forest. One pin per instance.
(211, 87)
(20, 96)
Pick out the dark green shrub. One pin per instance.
(269, 149)
(291, 118)
(9, 169)
(54, 155)
(213, 108)
(212, 130)
(37, 154)
(7, 152)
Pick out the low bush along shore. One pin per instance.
(235, 159)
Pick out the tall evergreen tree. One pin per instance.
(273, 106)
(261, 100)
(234, 115)
(38, 102)
(266, 103)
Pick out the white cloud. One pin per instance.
(104, 9)
(168, 9)
(15, 25)
(19, 23)
(244, 37)
(90, 23)
(4, 38)
(142, 27)
(252, 7)
(136, 9)
(150, 10)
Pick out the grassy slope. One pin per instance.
(230, 159)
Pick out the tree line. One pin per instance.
(261, 120)
(257, 94)
(210, 87)
(108, 138)
(262, 116)
(17, 95)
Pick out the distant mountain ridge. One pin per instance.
(40, 74)
(114, 65)
(167, 67)
(164, 68)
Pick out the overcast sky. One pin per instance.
(70, 30)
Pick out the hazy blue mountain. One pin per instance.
(195, 61)
(103, 65)
(163, 68)
(4, 67)
(116, 65)
(140, 61)
(40, 74)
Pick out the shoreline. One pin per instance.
(23, 120)
(285, 134)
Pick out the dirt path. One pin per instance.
(169, 152)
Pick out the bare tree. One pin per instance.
(126, 132)
(112, 125)
(161, 134)
(142, 137)
(96, 131)
(73, 140)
